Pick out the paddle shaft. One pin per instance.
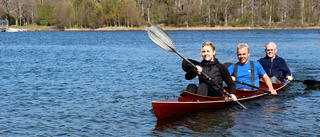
(253, 86)
(306, 82)
(207, 77)
(292, 79)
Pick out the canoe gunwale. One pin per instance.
(218, 101)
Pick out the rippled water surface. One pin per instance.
(103, 83)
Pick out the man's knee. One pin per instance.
(275, 80)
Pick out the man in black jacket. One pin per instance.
(274, 65)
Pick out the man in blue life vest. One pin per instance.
(248, 71)
(274, 65)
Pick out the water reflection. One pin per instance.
(204, 123)
(312, 88)
(263, 117)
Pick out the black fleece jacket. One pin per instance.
(217, 72)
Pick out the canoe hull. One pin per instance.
(189, 102)
(181, 105)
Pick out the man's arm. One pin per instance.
(267, 80)
(287, 72)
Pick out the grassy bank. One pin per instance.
(30, 27)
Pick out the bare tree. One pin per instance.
(319, 13)
(226, 13)
(241, 8)
(188, 5)
(22, 11)
(178, 12)
(284, 9)
(251, 12)
(209, 12)
(7, 6)
(270, 14)
(302, 11)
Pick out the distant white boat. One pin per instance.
(12, 30)
(16, 30)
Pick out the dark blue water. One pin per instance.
(103, 83)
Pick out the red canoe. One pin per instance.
(189, 102)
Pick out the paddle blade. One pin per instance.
(312, 83)
(161, 38)
(227, 64)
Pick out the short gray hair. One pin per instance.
(271, 43)
(243, 45)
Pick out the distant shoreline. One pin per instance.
(190, 28)
(145, 28)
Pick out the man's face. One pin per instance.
(271, 50)
(243, 55)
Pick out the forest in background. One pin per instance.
(65, 14)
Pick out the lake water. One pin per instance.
(103, 83)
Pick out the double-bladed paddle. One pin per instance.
(187, 67)
(163, 40)
(306, 82)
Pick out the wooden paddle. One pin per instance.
(163, 40)
(306, 82)
(187, 67)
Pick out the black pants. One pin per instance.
(203, 89)
(192, 88)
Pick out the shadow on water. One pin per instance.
(204, 123)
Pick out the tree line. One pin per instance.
(176, 13)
